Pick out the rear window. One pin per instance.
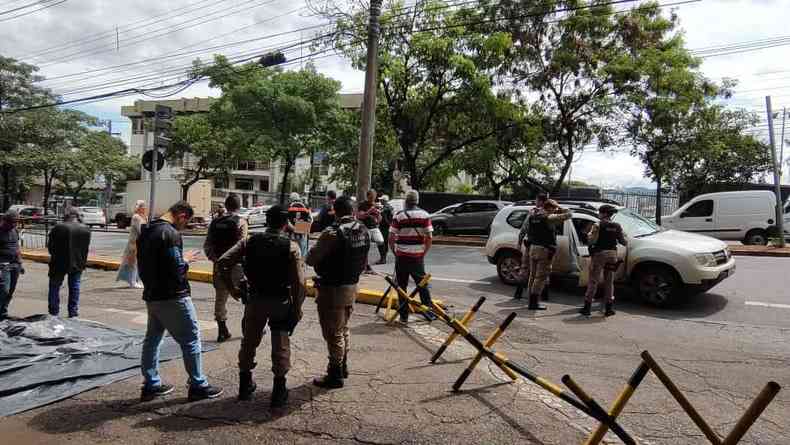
(516, 219)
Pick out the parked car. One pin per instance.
(445, 210)
(92, 216)
(469, 217)
(743, 216)
(33, 215)
(257, 216)
(661, 265)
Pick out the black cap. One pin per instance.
(607, 209)
(276, 216)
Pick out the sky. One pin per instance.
(87, 40)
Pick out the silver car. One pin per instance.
(92, 216)
(469, 217)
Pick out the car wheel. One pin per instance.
(440, 229)
(658, 285)
(508, 267)
(756, 237)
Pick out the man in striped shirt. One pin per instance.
(410, 239)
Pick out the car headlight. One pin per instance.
(706, 259)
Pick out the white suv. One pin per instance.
(662, 265)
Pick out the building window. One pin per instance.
(221, 183)
(137, 125)
(244, 184)
(264, 184)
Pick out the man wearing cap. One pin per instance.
(603, 238)
(523, 243)
(10, 260)
(543, 244)
(275, 293)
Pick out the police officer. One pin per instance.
(604, 238)
(339, 257)
(523, 244)
(543, 245)
(274, 292)
(223, 233)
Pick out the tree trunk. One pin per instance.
(284, 183)
(312, 177)
(47, 191)
(563, 173)
(75, 195)
(415, 181)
(185, 187)
(658, 199)
(6, 187)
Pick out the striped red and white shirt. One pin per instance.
(411, 227)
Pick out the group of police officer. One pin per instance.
(538, 237)
(266, 272)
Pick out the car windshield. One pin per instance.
(634, 224)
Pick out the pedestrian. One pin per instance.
(410, 238)
(543, 245)
(339, 258)
(384, 226)
(223, 233)
(326, 216)
(128, 271)
(369, 214)
(300, 221)
(220, 211)
(603, 238)
(276, 290)
(10, 260)
(167, 295)
(523, 243)
(68, 254)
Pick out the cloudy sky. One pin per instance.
(89, 47)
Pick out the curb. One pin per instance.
(364, 296)
(761, 253)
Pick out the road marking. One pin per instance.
(773, 305)
(142, 318)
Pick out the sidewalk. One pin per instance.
(392, 396)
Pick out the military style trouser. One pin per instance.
(539, 268)
(223, 292)
(602, 267)
(523, 271)
(257, 313)
(335, 306)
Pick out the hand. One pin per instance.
(191, 256)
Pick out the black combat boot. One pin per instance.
(533, 303)
(344, 366)
(519, 292)
(223, 332)
(333, 378)
(545, 295)
(609, 311)
(586, 309)
(246, 385)
(279, 393)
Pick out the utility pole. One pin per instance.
(108, 178)
(782, 145)
(777, 178)
(365, 158)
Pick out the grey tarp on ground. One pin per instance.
(44, 359)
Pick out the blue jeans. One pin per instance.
(179, 318)
(9, 274)
(74, 293)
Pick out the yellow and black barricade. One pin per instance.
(466, 321)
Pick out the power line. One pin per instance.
(26, 13)
(37, 3)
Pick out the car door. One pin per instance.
(462, 218)
(484, 215)
(698, 218)
(580, 247)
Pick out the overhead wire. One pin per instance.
(46, 5)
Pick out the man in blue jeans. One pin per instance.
(68, 254)
(10, 260)
(163, 270)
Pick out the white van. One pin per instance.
(742, 216)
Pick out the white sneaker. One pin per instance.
(137, 285)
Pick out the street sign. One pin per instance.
(161, 141)
(148, 160)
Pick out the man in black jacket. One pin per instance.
(163, 269)
(10, 260)
(68, 253)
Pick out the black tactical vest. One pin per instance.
(607, 236)
(346, 263)
(540, 231)
(266, 264)
(225, 233)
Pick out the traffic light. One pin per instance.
(162, 127)
(272, 59)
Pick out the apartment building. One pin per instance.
(255, 181)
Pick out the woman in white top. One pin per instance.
(128, 269)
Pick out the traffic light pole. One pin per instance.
(365, 159)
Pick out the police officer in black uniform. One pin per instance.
(604, 238)
(339, 257)
(274, 294)
(542, 235)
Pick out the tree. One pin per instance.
(718, 150)
(433, 77)
(283, 115)
(97, 154)
(17, 90)
(574, 59)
